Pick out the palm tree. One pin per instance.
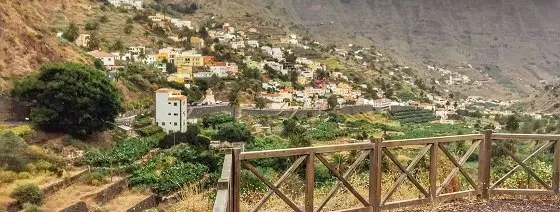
(234, 101)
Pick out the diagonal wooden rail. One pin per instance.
(228, 198)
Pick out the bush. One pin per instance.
(234, 132)
(216, 119)
(96, 178)
(27, 207)
(28, 193)
(149, 130)
(91, 25)
(24, 175)
(8, 176)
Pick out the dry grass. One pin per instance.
(192, 199)
(38, 179)
(71, 194)
(125, 200)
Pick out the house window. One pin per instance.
(162, 123)
(169, 103)
(175, 104)
(169, 114)
(175, 124)
(175, 114)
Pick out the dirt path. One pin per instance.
(503, 206)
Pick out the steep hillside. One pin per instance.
(545, 101)
(28, 38)
(514, 43)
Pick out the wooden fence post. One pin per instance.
(236, 179)
(556, 168)
(375, 174)
(310, 182)
(433, 172)
(484, 164)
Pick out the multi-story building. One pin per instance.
(171, 110)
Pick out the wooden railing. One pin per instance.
(228, 197)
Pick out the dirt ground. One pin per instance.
(503, 206)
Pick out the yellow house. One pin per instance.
(303, 80)
(176, 78)
(162, 56)
(185, 71)
(193, 60)
(197, 42)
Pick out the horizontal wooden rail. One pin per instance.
(305, 151)
(377, 152)
(425, 141)
(504, 136)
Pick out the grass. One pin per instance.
(192, 199)
(126, 200)
(38, 179)
(70, 195)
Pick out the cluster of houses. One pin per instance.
(128, 4)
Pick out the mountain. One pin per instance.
(28, 36)
(511, 43)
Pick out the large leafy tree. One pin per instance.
(234, 132)
(71, 98)
(512, 124)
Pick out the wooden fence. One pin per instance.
(228, 196)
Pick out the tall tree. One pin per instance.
(332, 101)
(260, 102)
(71, 33)
(71, 98)
(512, 123)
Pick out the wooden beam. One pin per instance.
(458, 165)
(432, 177)
(278, 183)
(236, 176)
(527, 169)
(346, 174)
(375, 175)
(454, 171)
(425, 141)
(309, 182)
(507, 136)
(305, 151)
(522, 191)
(344, 181)
(361, 209)
(503, 178)
(221, 202)
(271, 186)
(556, 168)
(225, 177)
(406, 172)
(484, 164)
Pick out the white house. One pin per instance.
(266, 50)
(181, 23)
(121, 3)
(82, 40)
(107, 58)
(381, 103)
(253, 43)
(171, 110)
(203, 74)
(277, 53)
(137, 49)
(237, 44)
(276, 66)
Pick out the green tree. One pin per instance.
(128, 29)
(98, 64)
(118, 45)
(260, 102)
(94, 42)
(234, 132)
(234, 101)
(512, 123)
(28, 193)
(292, 128)
(71, 98)
(71, 33)
(332, 101)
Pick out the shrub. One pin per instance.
(91, 25)
(8, 176)
(27, 207)
(234, 132)
(28, 193)
(24, 175)
(96, 178)
(149, 130)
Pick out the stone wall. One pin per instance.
(78, 207)
(104, 196)
(56, 186)
(150, 202)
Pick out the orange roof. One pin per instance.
(98, 53)
(220, 64)
(177, 98)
